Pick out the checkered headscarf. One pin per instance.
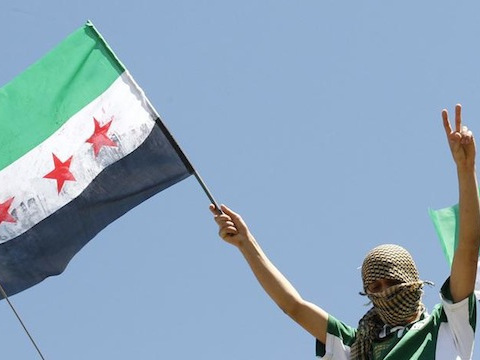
(393, 306)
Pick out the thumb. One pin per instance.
(236, 218)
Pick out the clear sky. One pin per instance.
(319, 121)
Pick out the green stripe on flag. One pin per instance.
(40, 100)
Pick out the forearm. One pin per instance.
(234, 230)
(469, 209)
(270, 278)
(464, 266)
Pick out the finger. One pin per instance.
(467, 136)
(223, 219)
(232, 214)
(228, 227)
(226, 232)
(225, 223)
(215, 210)
(458, 117)
(463, 135)
(446, 122)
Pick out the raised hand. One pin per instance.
(460, 139)
(464, 265)
(231, 226)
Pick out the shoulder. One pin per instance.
(455, 323)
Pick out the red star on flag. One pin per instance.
(100, 138)
(61, 173)
(4, 215)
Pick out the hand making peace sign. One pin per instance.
(461, 140)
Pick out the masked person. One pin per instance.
(397, 326)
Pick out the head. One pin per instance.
(391, 281)
(388, 262)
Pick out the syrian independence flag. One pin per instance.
(446, 222)
(80, 146)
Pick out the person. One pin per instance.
(398, 325)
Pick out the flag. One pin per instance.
(446, 223)
(80, 146)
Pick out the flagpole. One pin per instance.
(207, 192)
(4, 294)
(185, 159)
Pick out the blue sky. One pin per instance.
(318, 121)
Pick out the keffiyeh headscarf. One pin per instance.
(396, 305)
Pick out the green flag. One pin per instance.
(446, 223)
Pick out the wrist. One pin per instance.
(246, 242)
(466, 168)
